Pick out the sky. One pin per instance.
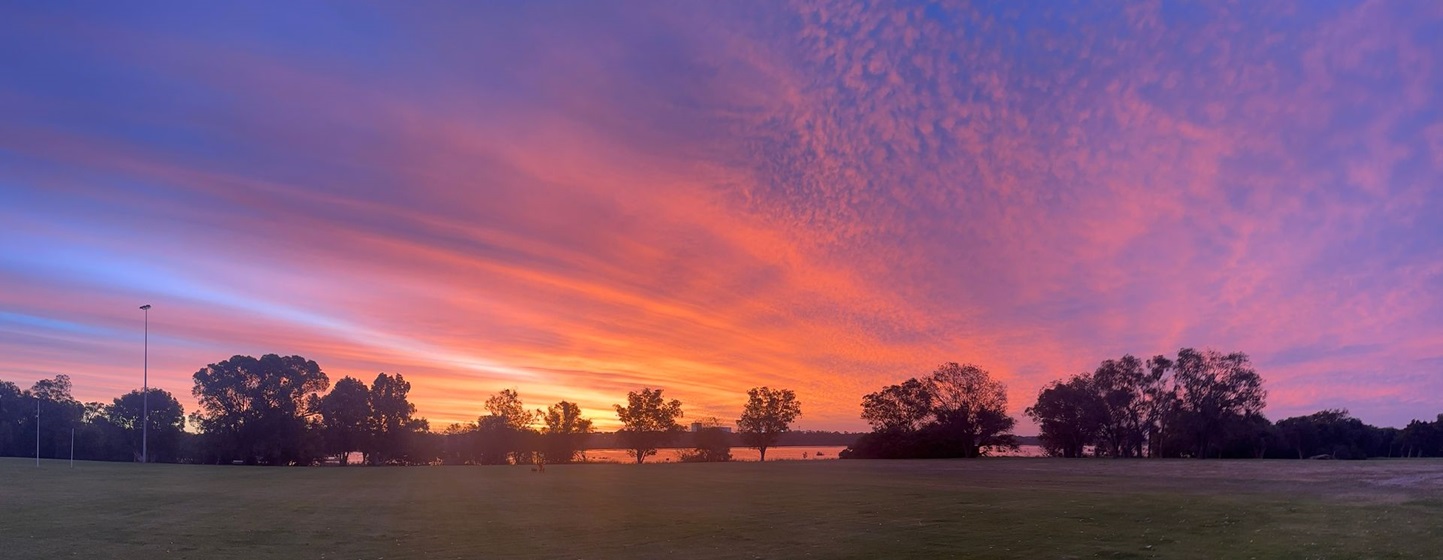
(580, 199)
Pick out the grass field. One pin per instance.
(991, 508)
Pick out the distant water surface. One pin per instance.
(790, 453)
(798, 453)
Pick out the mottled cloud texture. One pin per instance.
(579, 199)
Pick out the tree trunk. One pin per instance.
(764, 454)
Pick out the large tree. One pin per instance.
(345, 415)
(904, 407)
(1127, 406)
(648, 422)
(253, 409)
(13, 407)
(1069, 416)
(1215, 390)
(165, 424)
(508, 408)
(970, 409)
(564, 433)
(958, 411)
(393, 426)
(504, 434)
(767, 415)
(1119, 386)
(59, 413)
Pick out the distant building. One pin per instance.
(699, 426)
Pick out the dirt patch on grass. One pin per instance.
(1416, 480)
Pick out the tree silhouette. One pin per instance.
(166, 422)
(507, 406)
(1331, 433)
(958, 411)
(1204, 403)
(970, 408)
(564, 432)
(1070, 415)
(648, 421)
(253, 410)
(502, 435)
(345, 418)
(1423, 439)
(12, 413)
(898, 408)
(768, 414)
(393, 427)
(1118, 384)
(1214, 390)
(459, 445)
(59, 412)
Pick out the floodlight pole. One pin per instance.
(37, 430)
(72, 448)
(145, 392)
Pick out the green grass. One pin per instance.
(990, 508)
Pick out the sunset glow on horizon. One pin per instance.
(576, 200)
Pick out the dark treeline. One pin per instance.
(283, 410)
(276, 410)
(101, 431)
(1197, 404)
(613, 440)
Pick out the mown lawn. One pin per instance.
(989, 508)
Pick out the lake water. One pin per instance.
(797, 453)
(790, 453)
(1022, 451)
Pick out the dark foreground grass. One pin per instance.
(991, 508)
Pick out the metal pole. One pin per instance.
(37, 431)
(145, 393)
(72, 448)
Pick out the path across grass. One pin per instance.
(988, 508)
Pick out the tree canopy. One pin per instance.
(768, 414)
(564, 433)
(1202, 404)
(253, 409)
(1070, 415)
(1215, 391)
(166, 424)
(346, 417)
(393, 425)
(504, 435)
(958, 411)
(648, 421)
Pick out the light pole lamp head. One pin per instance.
(145, 307)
